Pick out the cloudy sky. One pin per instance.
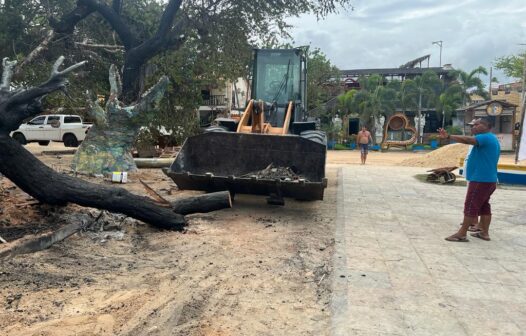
(389, 33)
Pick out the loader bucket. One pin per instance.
(225, 161)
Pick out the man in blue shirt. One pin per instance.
(481, 173)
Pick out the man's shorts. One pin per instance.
(477, 199)
(364, 148)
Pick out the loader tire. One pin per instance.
(215, 129)
(316, 136)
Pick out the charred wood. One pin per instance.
(203, 203)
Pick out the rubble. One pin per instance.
(273, 172)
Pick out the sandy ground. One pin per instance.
(254, 269)
(392, 158)
(251, 270)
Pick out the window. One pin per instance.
(72, 120)
(52, 119)
(38, 121)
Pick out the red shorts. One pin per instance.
(477, 199)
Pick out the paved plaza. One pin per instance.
(396, 275)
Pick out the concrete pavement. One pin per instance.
(394, 274)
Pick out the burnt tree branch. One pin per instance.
(21, 104)
(165, 25)
(53, 188)
(137, 52)
(67, 23)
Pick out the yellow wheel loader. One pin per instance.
(272, 149)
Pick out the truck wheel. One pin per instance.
(20, 138)
(316, 136)
(70, 140)
(43, 143)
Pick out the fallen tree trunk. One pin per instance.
(203, 203)
(154, 162)
(50, 187)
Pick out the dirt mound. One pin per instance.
(443, 157)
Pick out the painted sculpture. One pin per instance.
(398, 132)
(107, 147)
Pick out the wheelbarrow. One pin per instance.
(442, 175)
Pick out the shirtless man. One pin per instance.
(363, 138)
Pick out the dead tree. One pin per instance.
(48, 186)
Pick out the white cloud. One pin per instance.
(388, 33)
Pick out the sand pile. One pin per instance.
(446, 156)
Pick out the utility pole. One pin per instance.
(490, 79)
(439, 43)
(523, 107)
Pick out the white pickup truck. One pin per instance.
(53, 127)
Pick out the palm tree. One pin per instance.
(470, 83)
(448, 101)
(373, 100)
(408, 95)
(345, 101)
(427, 87)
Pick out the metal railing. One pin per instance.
(215, 100)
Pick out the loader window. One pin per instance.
(277, 76)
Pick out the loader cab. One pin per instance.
(279, 76)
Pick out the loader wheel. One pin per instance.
(316, 136)
(215, 129)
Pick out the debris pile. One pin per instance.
(448, 155)
(273, 172)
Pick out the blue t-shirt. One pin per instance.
(483, 159)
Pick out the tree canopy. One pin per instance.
(322, 80)
(379, 97)
(193, 43)
(513, 65)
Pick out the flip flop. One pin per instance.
(457, 239)
(478, 235)
(473, 229)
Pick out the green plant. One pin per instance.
(340, 147)
(352, 138)
(331, 131)
(454, 130)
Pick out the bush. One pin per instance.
(340, 147)
(454, 130)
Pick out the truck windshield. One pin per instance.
(276, 76)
